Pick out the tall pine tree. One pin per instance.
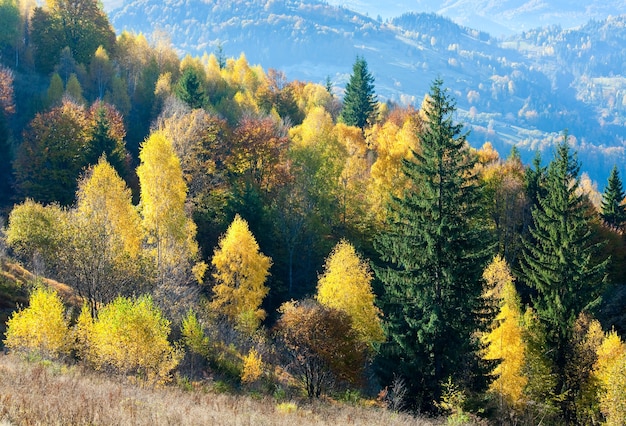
(612, 210)
(558, 262)
(435, 247)
(359, 102)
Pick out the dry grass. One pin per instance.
(47, 394)
(20, 276)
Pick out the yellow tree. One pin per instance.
(610, 370)
(171, 234)
(101, 71)
(505, 340)
(346, 285)
(130, 335)
(105, 256)
(40, 328)
(240, 274)
(37, 232)
(392, 142)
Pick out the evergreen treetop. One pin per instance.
(612, 210)
(359, 102)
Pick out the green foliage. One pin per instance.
(189, 89)
(42, 328)
(131, 336)
(10, 21)
(55, 90)
(435, 246)
(107, 137)
(559, 262)
(47, 40)
(359, 102)
(82, 26)
(613, 211)
(193, 334)
(452, 400)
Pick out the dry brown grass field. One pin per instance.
(43, 393)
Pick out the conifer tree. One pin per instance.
(613, 211)
(359, 102)
(435, 247)
(558, 264)
(189, 89)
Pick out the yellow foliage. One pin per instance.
(317, 124)
(132, 337)
(392, 143)
(610, 370)
(252, 367)
(345, 285)
(287, 407)
(163, 87)
(82, 331)
(487, 154)
(35, 228)
(240, 273)
(496, 276)
(42, 327)
(163, 195)
(105, 200)
(313, 95)
(505, 341)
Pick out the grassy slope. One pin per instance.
(14, 284)
(46, 393)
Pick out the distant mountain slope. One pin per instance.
(496, 17)
(523, 91)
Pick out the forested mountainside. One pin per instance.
(522, 91)
(496, 18)
(215, 224)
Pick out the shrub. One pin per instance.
(41, 328)
(131, 336)
(252, 367)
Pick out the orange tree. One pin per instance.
(321, 349)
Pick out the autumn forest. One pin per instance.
(185, 218)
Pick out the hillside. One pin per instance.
(497, 18)
(525, 90)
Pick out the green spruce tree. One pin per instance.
(613, 212)
(558, 263)
(359, 102)
(189, 89)
(435, 246)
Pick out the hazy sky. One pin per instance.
(111, 4)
